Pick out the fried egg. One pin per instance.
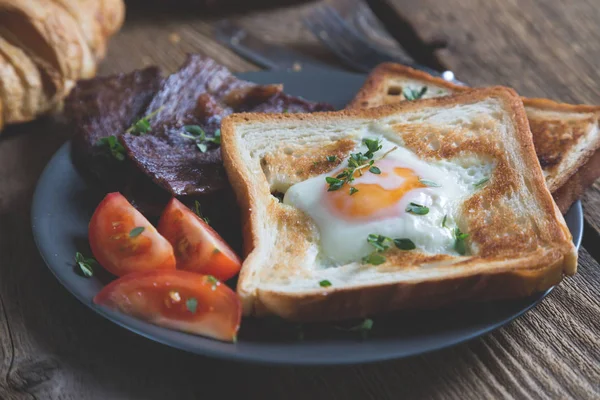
(380, 201)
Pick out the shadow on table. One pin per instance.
(141, 9)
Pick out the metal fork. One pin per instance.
(354, 48)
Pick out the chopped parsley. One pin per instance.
(136, 231)
(459, 241)
(198, 211)
(142, 126)
(444, 221)
(417, 209)
(324, 283)
(429, 183)
(414, 94)
(331, 158)
(356, 163)
(353, 190)
(481, 182)
(197, 134)
(364, 327)
(112, 143)
(86, 265)
(192, 305)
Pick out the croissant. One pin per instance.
(46, 46)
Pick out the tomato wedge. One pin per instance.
(175, 299)
(197, 246)
(123, 241)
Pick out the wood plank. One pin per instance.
(174, 37)
(542, 48)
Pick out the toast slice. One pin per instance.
(305, 252)
(566, 137)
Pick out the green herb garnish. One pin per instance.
(417, 209)
(429, 183)
(197, 134)
(459, 241)
(481, 182)
(373, 145)
(112, 143)
(136, 231)
(217, 137)
(356, 163)
(195, 131)
(86, 265)
(198, 211)
(353, 190)
(364, 327)
(414, 94)
(331, 158)
(192, 305)
(380, 242)
(324, 283)
(214, 281)
(142, 126)
(405, 244)
(334, 183)
(374, 259)
(444, 221)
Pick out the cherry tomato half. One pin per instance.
(123, 241)
(197, 246)
(175, 299)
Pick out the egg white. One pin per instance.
(344, 240)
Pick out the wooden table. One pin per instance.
(53, 347)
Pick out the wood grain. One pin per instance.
(53, 347)
(540, 48)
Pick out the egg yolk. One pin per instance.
(372, 198)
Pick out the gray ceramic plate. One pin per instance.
(64, 202)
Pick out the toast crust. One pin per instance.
(553, 139)
(485, 277)
(577, 184)
(340, 304)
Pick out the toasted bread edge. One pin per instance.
(566, 190)
(513, 281)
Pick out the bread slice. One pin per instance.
(565, 136)
(518, 242)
